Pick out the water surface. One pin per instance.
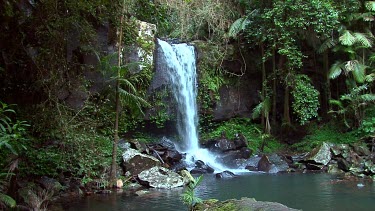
(300, 191)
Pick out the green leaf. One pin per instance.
(370, 5)
(347, 38)
(364, 39)
(9, 201)
(327, 44)
(237, 26)
(336, 70)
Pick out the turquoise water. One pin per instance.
(300, 191)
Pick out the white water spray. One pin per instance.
(181, 65)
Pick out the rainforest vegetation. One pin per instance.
(67, 94)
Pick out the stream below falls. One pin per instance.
(301, 191)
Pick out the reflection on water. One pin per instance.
(301, 191)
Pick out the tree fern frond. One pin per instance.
(370, 77)
(257, 111)
(336, 69)
(368, 97)
(357, 69)
(364, 39)
(126, 83)
(327, 44)
(347, 38)
(370, 5)
(337, 103)
(7, 200)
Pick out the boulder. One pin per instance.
(343, 164)
(160, 177)
(361, 150)
(186, 177)
(201, 168)
(225, 175)
(230, 158)
(340, 150)
(320, 155)
(224, 145)
(240, 204)
(272, 164)
(136, 162)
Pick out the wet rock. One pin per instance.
(320, 155)
(224, 145)
(230, 158)
(201, 168)
(251, 168)
(142, 192)
(225, 175)
(334, 169)
(136, 162)
(340, 150)
(49, 183)
(240, 141)
(272, 164)
(186, 177)
(241, 204)
(343, 164)
(160, 177)
(361, 150)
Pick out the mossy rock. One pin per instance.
(243, 204)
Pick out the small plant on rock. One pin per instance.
(188, 197)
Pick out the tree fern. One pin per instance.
(7, 200)
(364, 39)
(327, 44)
(370, 5)
(347, 38)
(336, 69)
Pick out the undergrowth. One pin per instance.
(252, 132)
(329, 132)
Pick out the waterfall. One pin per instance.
(181, 66)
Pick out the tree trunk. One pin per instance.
(113, 172)
(274, 88)
(264, 94)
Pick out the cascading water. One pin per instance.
(181, 66)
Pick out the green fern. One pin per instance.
(188, 197)
(370, 5)
(336, 69)
(347, 38)
(7, 200)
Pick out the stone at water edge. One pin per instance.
(225, 175)
(272, 164)
(241, 204)
(160, 177)
(320, 155)
(186, 176)
(136, 162)
(119, 183)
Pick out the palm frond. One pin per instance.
(327, 44)
(336, 69)
(364, 39)
(347, 38)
